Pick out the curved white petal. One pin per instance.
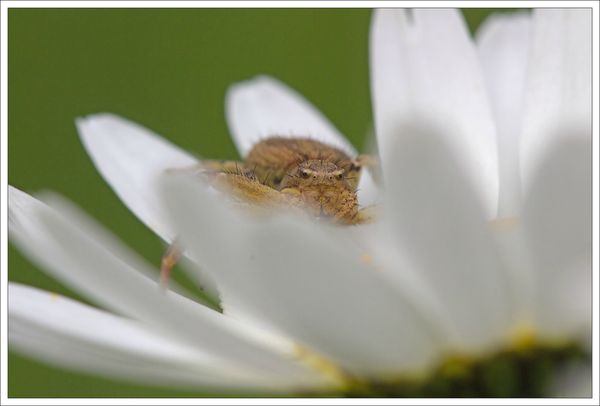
(504, 43)
(72, 248)
(64, 332)
(557, 217)
(559, 88)
(130, 158)
(367, 193)
(309, 282)
(264, 107)
(424, 64)
(432, 211)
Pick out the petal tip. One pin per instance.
(105, 120)
(99, 117)
(260, 83)
(503, 23)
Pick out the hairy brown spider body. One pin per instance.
(300, 173)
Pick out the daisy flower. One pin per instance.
(475, 281)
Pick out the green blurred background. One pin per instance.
(167, 69)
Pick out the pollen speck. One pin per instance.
(505, 223)
(366, 259)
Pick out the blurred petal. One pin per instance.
(557, 217)
(367, 191)
(75, 250)
(424, 64)
(130, 158)
(64, 332)
(262, 107)
(309, 282)
(504, 43)
(436, 219)
(559, 89)
(574, 381)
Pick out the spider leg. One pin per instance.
(233, 167)
(249, 189)
(367, 215)
(211, 166)
(168, 262)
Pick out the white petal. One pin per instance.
(130, 158)
(308, 282)
(62, 331)
(438, 222)
(72, 248)
(559, 90)
(425, 64)
(504, 43)
(367, 191)
(264, 107)
(557, 217)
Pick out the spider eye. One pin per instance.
(304, 174)
(339, 176)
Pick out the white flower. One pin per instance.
(484, 247)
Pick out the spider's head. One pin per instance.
(324, 186)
